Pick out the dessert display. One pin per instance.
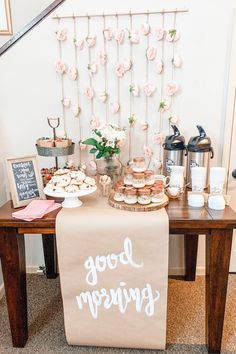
(139, 185)
(65, 180)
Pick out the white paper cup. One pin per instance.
(177, 176)
(198, 178)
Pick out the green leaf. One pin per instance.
(93, 151)
(98, 133)
(90, 141)
(99, 155)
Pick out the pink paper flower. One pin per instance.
(76, 110)
(164, 105)
(171, 88)
(120, 69)
(145, 28)
(149, 89)
(134, 36)
(60, 66)
(72, 72)
(93, 165)
(92, 69)
(177, 61)
(157, 164)
(147, 151)
(108, 33)
(119, 36)
(66, 102)
(89, 92)
(151, 53)
(61, 34)
(144, 126)
(91, 40)
(174, 119)
(159, 65)
(82, 146)
(95, 123)
(103, 57)
(79, 43)
(160, 32)
(115, 107)
(172, 35)
(158, 138)
(134, 89)
(127, 64)
(103, 96)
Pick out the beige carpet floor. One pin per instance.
(186, 327)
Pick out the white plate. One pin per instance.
(71, 199)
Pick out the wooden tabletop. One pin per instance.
(180, 216)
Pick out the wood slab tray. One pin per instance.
(137, 207)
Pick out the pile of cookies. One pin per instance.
(65, 180)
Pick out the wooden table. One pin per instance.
(217, 226)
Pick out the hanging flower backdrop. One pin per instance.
(136, 75)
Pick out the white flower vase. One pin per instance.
(110, 166)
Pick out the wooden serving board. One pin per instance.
(137, 207)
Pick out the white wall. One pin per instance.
(23, 12)
(30, 92)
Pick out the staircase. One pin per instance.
(30, 25)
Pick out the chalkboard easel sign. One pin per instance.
(25, 180)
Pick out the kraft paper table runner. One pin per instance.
(114, 275)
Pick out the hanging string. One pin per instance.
(173, 68)
(118, 80)
(90, 77)
(105, 68)
(62, 84)
(160, 127)
(131, 97)
(77, 85)
(147, 80)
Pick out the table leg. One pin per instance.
(12, 252)
(190, 249)
(50, 255)
(218, 252)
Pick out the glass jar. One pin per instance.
(130, 196)
(144, 196)
(139, 164)
(138, 180)
(149, 177)
(119, 193)
(128, 176)
(157, 191)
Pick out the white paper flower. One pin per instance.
(95, 123)
(134, 89)
(108, 33)
(92, 69)
(174, 119)
(103, 57)
(76, 110)
(66, 102)
(79, 43)
(119, 36)
(171, 88)
(172, 35)
(149, 89)
(144, 126)
(164, 105)
(145, 28)
(151, 53)
(115, 107)
(103, 96)
(134, 36)
(159, 32)
(159, 65)
(177, 61)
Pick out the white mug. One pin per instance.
(217, 179)
(198, 177)
(177, 176)
(165, 179)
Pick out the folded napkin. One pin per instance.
(36, 210)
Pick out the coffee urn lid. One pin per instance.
(199, 143)
(174, 141)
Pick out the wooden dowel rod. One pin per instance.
(123, 13)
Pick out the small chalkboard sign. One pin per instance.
(25, 180)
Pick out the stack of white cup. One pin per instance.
(198, 176)
(217, 180)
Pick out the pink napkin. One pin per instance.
(36, 210)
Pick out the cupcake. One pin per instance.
(45, 142)
(62, 142)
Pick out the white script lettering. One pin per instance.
(100, 263)
(144, 298)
